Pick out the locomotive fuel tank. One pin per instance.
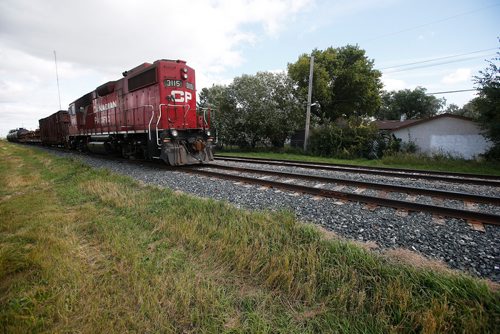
(100, 147)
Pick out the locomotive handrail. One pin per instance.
(175, 112)
(158, 122)
(205, 117)
(205, 110)
(159, 118)
(185, 112)
(151, 120)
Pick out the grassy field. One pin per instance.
(411, 161)
(88, 251)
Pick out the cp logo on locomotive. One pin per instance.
(181, 96)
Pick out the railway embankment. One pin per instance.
(85, 249)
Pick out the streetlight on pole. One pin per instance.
(308, 112)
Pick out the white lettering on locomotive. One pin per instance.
(106, 106)
(101, 119)
(172, 83)
(181, 96)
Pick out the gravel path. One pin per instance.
(452, 241)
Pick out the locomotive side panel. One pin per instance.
(141, 108)
(106, 115)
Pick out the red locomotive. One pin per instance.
(149, 113)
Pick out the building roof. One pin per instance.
(393, 124)
(396, 125)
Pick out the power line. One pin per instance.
(430, 23)
(437, 64)
(452, 91)
(434, 59)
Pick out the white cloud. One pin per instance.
(125, 33)
(458, 76)
(97, 40)
(393, 84)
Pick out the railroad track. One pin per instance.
(356, 196)
(291, 183)
(485, 180)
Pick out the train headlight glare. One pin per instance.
(208, 133)
(174, 133)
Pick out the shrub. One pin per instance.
(352, 138)
(408, 147)
(493, 153)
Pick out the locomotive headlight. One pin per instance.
(208, 133)
(174, 133)
(184, 72)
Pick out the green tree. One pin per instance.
(222, 111)
(250, 97)
(267, 109)
(414, 104)
(452, 108)
(468, 110)
(254, 109)
(344, 82)
(488, 103)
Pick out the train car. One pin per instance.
(15, 135)
(24, 136)
(31, 137)
(54, 130)
(149, 113)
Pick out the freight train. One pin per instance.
(24, 136)
(149, 113)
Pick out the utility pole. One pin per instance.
(57, 78)
(308, 112)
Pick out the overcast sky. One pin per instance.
(96, 40)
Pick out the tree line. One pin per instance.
(266, 109)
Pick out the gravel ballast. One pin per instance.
(449, 240)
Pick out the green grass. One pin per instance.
(410, 161)
(84, 250)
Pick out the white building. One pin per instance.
(450, 134)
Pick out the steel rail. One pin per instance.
(486, 218)
(371, 185)
(390, 169)
(403, 173)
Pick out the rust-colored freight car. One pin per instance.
(54, 129)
